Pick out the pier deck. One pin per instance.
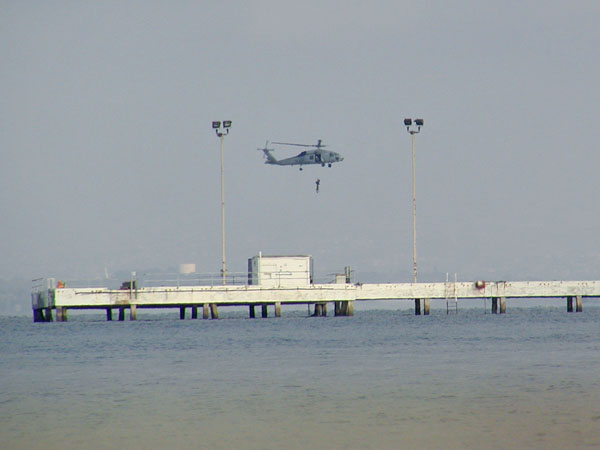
(343, 295)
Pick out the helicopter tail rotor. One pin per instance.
(266, 147)
(267, 153)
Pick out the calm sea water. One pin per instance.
(381, 379)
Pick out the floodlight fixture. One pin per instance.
(414, 123)
(221, 131)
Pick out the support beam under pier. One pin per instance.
(265, 311)
(344, 308)
(578, 304)
(320, 310)
(194, 312)
(205, 311)
(108, 314)
(317, 312)
(277, 309)
(132, 312)
(349, 308)
(214, 312)
(498, 305)
(61, 314)
(42, 315)
(251, 311)
(426, 306)
(38, 315)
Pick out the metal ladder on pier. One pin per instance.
(451, 295)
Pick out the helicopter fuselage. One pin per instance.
(307, 157)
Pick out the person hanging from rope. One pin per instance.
(318, 183)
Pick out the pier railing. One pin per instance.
(161, 279)
(171, 279)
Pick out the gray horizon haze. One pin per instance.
(109, 162)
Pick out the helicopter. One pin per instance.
(316, 156)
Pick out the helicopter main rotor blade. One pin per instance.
(319, 145)
(289, 143)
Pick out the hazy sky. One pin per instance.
(109, 159)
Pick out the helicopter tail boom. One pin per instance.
(270, 158)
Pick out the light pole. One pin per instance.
(418, 123)
(222, 132)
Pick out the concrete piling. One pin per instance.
(61, 314)
(317, 310)
(277, 309)
(578, 303)
(265, 311)
(194, 311)
(38, 316)
(320, 310)
(344, 308)
(349, 308)
(108, 314)
(214, 313)
(182, 312)
(498, 305)
(121, 313)
(251, 311)
(205, 311)
(132, 312)
(417, 306)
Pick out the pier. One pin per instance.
(50, 300)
